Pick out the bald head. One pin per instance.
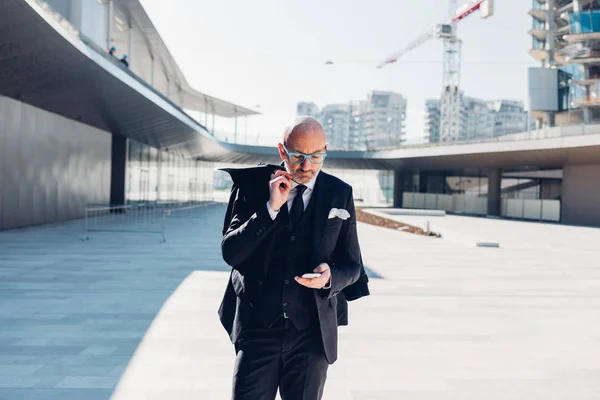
(305, 135)
(303, 126)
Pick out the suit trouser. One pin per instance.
(279, 357)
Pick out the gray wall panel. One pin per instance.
(581, 195)
(51, 166)
(3, 144)
(28, 161)
(12, 159)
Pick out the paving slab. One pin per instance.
(123, 315)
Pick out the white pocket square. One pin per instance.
(338, 212)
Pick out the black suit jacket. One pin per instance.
(246, 230)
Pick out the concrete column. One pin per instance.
(118, 170)
(581, 195)
(398, 188)
(494, 195)
(577, 6)
(402, 181)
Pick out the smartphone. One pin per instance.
(312, 275)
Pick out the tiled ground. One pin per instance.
(73, 312)
(446, 320)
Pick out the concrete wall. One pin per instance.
(50, 166)
(581, 195)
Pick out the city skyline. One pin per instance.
(480, 118)
(375, 123)
(274, 55)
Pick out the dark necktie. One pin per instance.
(297, 205)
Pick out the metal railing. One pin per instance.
(142, 218)
(137, 218)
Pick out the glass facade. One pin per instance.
(568, 93)
(584, 22)
(533, 195)
(371, 188)
(154, 175)
(536, 5)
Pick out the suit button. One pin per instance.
(257, 233)
(287, 282)
(260, 282)
(293, 238)
(285, 303)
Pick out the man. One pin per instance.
(282, 222)
(124, 61)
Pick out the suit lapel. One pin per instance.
(321, 196)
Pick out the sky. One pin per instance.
(270, 54)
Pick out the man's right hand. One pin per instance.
(279, 188)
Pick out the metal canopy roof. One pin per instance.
(44, 64)
(533, 154)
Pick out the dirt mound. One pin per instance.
(376, 220)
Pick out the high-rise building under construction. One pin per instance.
(565, 89)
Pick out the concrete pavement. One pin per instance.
(446, 320)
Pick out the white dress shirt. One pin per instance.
(310, 187)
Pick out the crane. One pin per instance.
(450, 100)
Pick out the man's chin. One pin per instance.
(303, 178)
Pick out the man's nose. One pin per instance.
(305, 164)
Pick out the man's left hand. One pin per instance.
(317, 283)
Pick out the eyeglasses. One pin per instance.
(298, 158)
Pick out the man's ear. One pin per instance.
(281, 151)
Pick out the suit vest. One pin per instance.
(292, 256)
